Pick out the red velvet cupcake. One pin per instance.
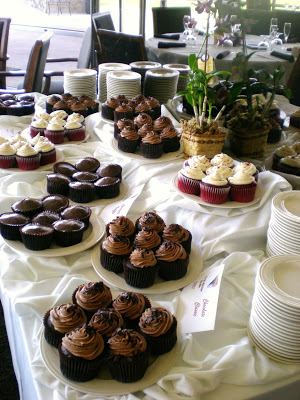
(242, 187)
(74, 131)
(28, 158)
(7, 155)
(55, 133)
(189, 179)
(214, 188)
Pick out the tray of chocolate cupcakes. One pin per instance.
(131, 342)
(87, 181)
(147, 254)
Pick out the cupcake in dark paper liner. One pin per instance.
(107, 187)
(161, 123)
(78, 107)
(140, 268)
(82, 213)
(55, 133)
(64, 168)
(81, 192)
(51, 101)
(170, 138)
(7, 156)
(37, 126)
(159, 327)
(60, 320)
(84, 176)
(151, 220)
(121, 124)
(123, 111)
(87, 164)
(214, 188)
(121, 226)
(55, 203)
(92, 296)
(28, 158)
(110, 170)
(151, 146)
(290, 165)
(28, 206)
(113, 251)
(58, 184)
(36, 237)
(131, 306)
(155, 106)
(283, 151)
(148, 239)
(92, 105)
(242, 187)
(10, 224)
(144, 108)
(80, 354)
(47, 151)
(107, 108)
(173, 261)
(74, 131)
(189, 179)
(122, 98)
(178, 234)
(128, 140)
(144, 129)
(46, 218)
(68, 232)
(128, 357)
(142, 119)
(106, 321)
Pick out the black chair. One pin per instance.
(4, 33)
(83, 61)
(34, 73)
(169, 19)
(100, 21)
(121, 47)
(294, 83)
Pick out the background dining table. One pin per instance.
(261, 59)
(211, 365)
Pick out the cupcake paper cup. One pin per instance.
(242, 193)
(164, 343)
(48, 158)
(139, 277)
(112, 262)
(75, 134)
(173, 270)
(126, 369)
(55, 137)
(28, 163)
(7, 161)
(151, 150)
(213, 194)
(188, 185)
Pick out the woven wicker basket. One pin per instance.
(248, 143)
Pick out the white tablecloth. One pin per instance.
(220, 364)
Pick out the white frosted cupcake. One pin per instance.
(42, 115)
(214, 188)
(226, 172)
(74, 131)
(27, 157)
(37, 126)
(59, 121)
(290, 165)
(55, 133)
(16, 138)
(75, 117)
(222, 158)
(198, 161)
(59, 114)
(3, 140)
(242, 187)
(47, 151)
(247, 167)
(283, 151)
(7, 155)
(189, 180)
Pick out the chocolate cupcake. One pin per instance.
(79, 108)
(92, 105)
(143, 130)
(131, 306)
(64, 168)
(148, 239)
(28, 206)
(81, 192)
(121, 226)
(155, 106)
(113, 251)
(140, 268)
(159, 327)
(144, 108)
(128, 357)
(106, 321)
(88, 164)
(92, 296)
(55, 203)
(161, 123)
(123, 111)
(151, 146)
(83, 176)
(58, 184)
(107, 188)
(10, 224)
(142, 119)
(121, 124)
(138, 98)
(107, 108)
(173, 261)
(51, 101)
(36, 237)
(61, 105)
(121, 98)
(151, 220)
(82, 213)
(60, 320)
(289, 165)
(46, 218)
(176, 233)
(80, 362)
(110, 170)
(68, 232)
(170, 139)
(128, 140)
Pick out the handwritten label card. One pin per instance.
(199, 301)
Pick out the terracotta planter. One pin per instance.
(248, 143)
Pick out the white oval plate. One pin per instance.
(25, 133)
(80, 72)
(227, 204)
(59, 157)
(97, 202)
(104, 385)
(160, 285)
(91, 236)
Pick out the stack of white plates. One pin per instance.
(103, 69)
(274, 324)
(284, 226)
(81, 81)
(161, 83)
(183, 70)
(127, 83)
(141, 67)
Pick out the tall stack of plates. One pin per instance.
(123, 82)
(141, 67)
(183, 70)
(161, 83)
(81, 81)
(274, 324)
(284, 227)
(103, 69)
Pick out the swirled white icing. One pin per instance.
(241, 178)
(226, 172)
(39, 123)
(43, 146)
(193, 172)
(75, 117)
(26, 150)
(200, 161)
(73, 125)
(215, 179)
(59, 113)
(6, 149)
(247, 167)
(58, 121)
(222, 158)
(55, 127)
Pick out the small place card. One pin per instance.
(199, 301)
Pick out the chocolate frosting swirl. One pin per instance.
(130, 304)
(168, 132)
(67, 317)
(156, 321)
(142, 107)
(84, 342)
(93, 295)
(142, 119)
(144, 129)
(127, 343)
(175, 233)
(112, 102)
(129, 133)
(152, 102)
(147, 238)
(106, 321)
(123, 108)
(152, 220)
(117, 245)
(121, 226)
(170, 251)
(123, 122)
(161, 123)
(142, 258)
(152, 138)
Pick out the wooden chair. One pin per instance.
(34, 73)
(169, 19)
(82, 61)
(294, 83)
(100, 21)
(4, 32)
(121, 47)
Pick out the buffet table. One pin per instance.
(211, 365)
(260, 60)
